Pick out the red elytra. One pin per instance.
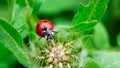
(40, 26)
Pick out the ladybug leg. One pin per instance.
(50, 37)
(49, 34)
(46, 35)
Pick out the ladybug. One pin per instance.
(44, 28)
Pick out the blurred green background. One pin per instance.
(62, 12)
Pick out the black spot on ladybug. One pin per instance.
(44, 29)
(45, 21)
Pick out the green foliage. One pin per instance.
(93, 11)
(87, 41)
(101, 39)
(83, 26)
(116, 7)
(21, 3)
(107, 59)
(4, 51)
(118, 40)
(58, 6)
(6, 57)
(23, 23)
(19, 18)
(88, 15)
(3, 65)
(23, 11)
(36, 6)
(85, 2)
(10, 38)
(90, 63)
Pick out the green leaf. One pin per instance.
(3, 65)
(87, 40)
(115, 5)
(36, 6)
(85, 2)
(16, 11)
(83, 26)
(100, 37)
(90, 63)
(118, 39)
(6, 57)
(10, 38)
(31, 2)
(83, 42)
(58, 6)
(93, 11)
(3, 52)
(22, 19)
(20, 15)
(107, 59)
(19, 18)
